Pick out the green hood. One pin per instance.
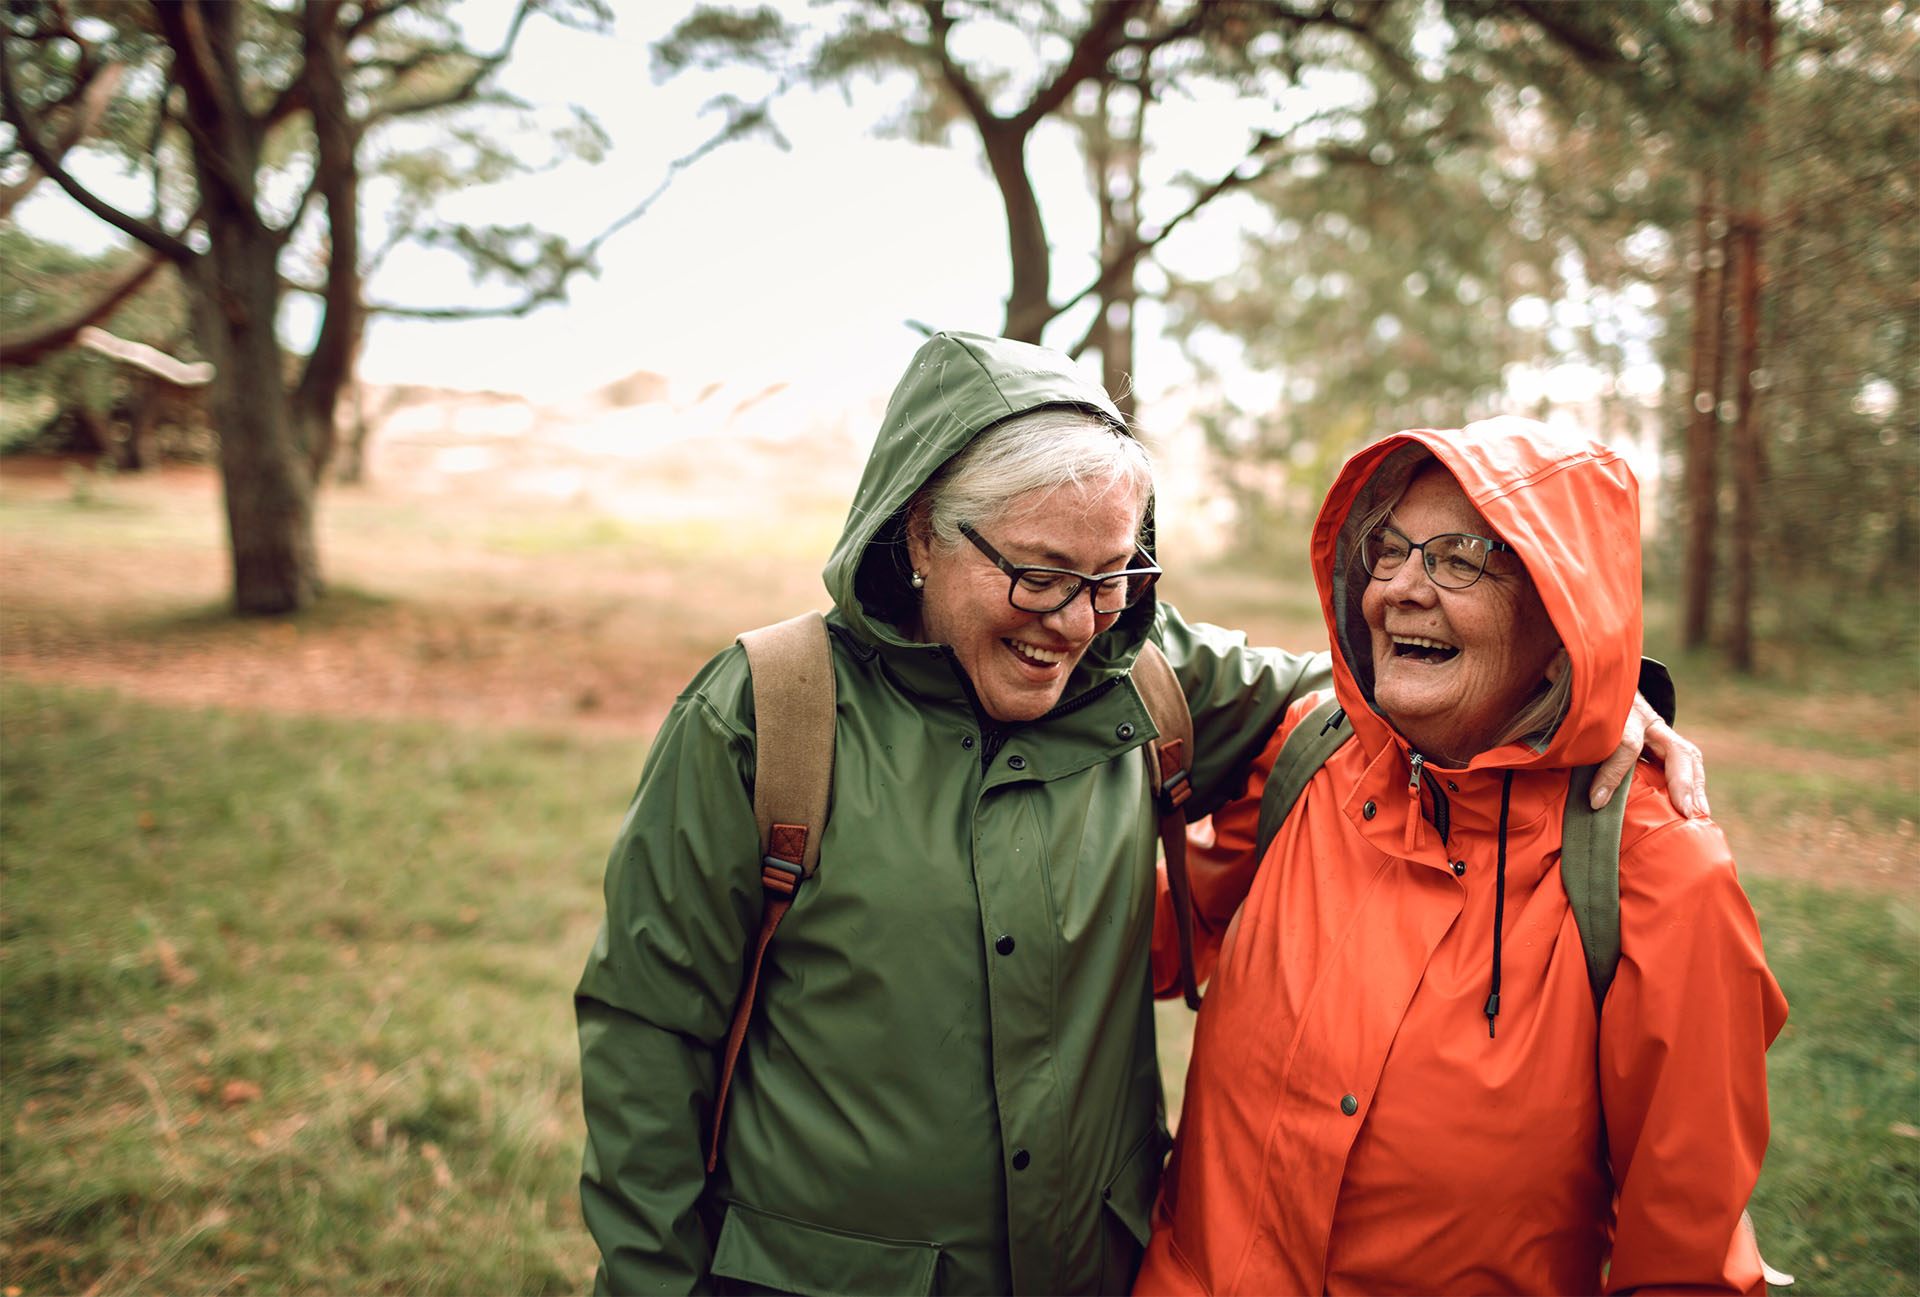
(958, 386)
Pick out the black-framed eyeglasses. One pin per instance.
(1049, 589)
(1454, 559)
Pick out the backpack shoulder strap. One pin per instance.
(793, 702)
(1590, 870)
(791, 664)
(1307, 748)
(1169, 761)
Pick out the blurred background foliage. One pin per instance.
(1439, 209)
(1460, 207)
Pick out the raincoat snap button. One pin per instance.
(1349, 1104)
(1369, 810)
(1459, 868)
(1124, 730)
(967, 742)
(1452, 787)
(1004, 945)
(1020, 1160)
(1016, 763)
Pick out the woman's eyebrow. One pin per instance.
(1054, 558)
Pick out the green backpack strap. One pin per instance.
(1589, 845)
(1590, 870)
(1307, 748)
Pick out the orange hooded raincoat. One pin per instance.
(1354, 1121)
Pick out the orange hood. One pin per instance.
(1569, 506)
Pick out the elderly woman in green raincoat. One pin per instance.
(949, 1083)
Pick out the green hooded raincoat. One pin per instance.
(950, 1083)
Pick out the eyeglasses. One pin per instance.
(1454, 559)
(1049, 589)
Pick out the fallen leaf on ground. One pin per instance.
(237, 1092)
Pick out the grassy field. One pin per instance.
(284, 997)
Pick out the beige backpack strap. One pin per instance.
(791, 663)
(1169, 759)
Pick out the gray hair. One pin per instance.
(1542, 713)
(1037, 451)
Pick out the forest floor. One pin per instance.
(459, 597)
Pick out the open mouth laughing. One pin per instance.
(1035, 656)
(1417, 648)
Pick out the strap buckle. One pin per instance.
(782, 876)
(1174, 788)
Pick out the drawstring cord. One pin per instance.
(1499, 902)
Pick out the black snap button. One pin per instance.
(1004, 945)
(967, 742)
(1349, 1104)
(1369, 810)
(1452, 787)
(1016, 763)
(1020, 1160)
(1459, 868)
(1124, 729)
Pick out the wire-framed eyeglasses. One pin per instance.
(1454, 559)
(1049, 589)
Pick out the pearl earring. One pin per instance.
(919, 582)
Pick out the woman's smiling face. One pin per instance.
(1452, 667)
(1019, 661)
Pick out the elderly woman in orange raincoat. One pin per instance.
(1401, 1081)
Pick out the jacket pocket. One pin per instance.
(1128, 1199)
(785, 1255)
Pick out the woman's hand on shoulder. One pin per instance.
(1686, 768)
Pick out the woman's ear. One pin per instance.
(919, 538)
(1560, 664)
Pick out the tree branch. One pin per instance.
(464, 90)
(25, 346)
(1090, 54)
(28, 133)
(955, 77)
(579, 258)
(95, 93)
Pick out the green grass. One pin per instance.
(286, 1002)
(1838, 1205)
(284, 1005)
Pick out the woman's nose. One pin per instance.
(1411, 582)
(1075, 621)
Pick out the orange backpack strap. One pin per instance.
(1169, 760)
(791, 663)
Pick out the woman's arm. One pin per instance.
(657, 996)
(1683, 1077)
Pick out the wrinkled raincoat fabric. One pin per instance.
(950, 1081)
(1350, 1125)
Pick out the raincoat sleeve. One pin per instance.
(1237, 694)
(1683, 1040)
(655, 1002)
(1220, 866)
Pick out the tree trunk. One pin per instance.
(1029, 309)
(269, 488)
(351, 468)
(330, 367)
(1703, 431)
(1116, 164)
(1753, 32)
(264, 466)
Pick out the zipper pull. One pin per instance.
(1413, 774)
